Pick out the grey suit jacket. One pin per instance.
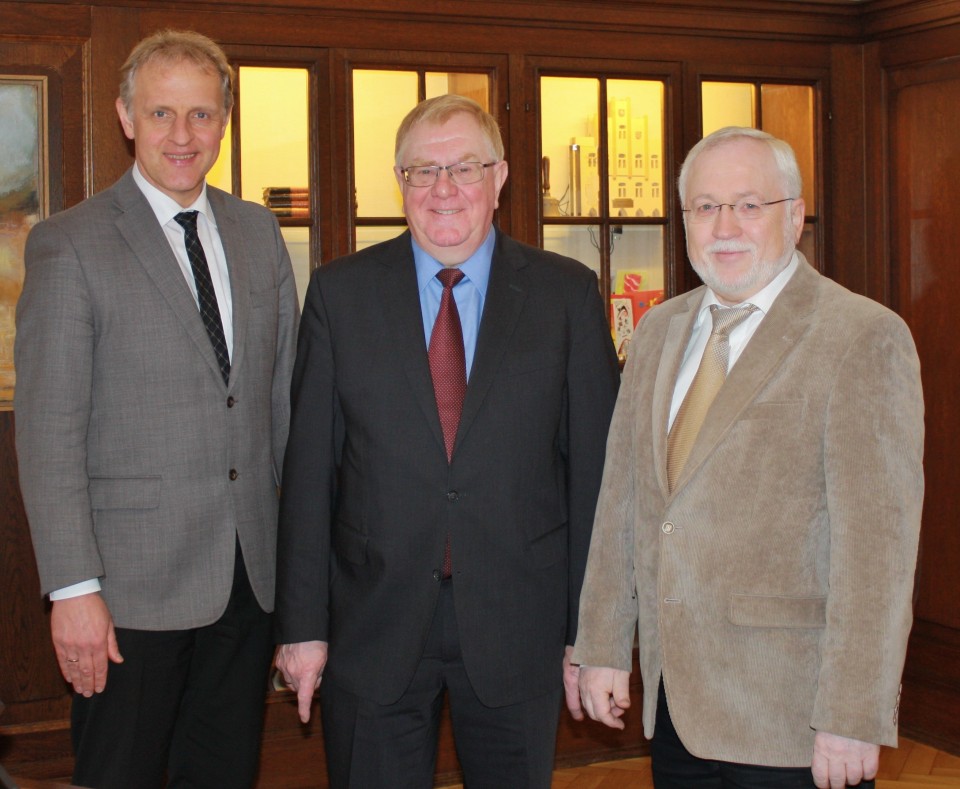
(773, 587)
(369, 496)
(137, 465)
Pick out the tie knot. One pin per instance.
(726, 319)
(449, 276)
(187, 219)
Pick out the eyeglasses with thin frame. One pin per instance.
(744, 210)
(461, 173)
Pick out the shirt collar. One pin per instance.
(762, 300)
(165, 207)
(475, 268)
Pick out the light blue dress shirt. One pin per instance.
(469, 293)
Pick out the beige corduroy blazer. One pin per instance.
(772, 589)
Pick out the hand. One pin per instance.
(84, 640)
(302, 667)
(571, 685)
(839, 761)
(606, 694)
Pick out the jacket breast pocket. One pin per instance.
(777, 611)
(125, 493)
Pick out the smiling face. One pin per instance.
(739, 258)
(450, 221)
(176, 119)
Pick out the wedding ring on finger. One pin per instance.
(73, 660)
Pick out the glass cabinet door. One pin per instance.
(272, 160)
(787, 111)
(381, 99)
(602, 179)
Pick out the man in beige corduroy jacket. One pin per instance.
(770, 580)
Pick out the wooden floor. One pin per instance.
(911, 766)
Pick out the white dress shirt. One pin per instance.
(739, 337)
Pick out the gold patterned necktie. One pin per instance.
(703, 389)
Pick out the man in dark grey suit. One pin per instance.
(155, 341)
(377, 492)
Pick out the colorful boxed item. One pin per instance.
(625, 311)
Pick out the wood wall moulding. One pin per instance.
(243, 28)
(825, 21)
(884, 18)
(44, 21)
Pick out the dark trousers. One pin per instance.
(187, 704)
(674, 767)
(373, 746)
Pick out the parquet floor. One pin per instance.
(911, 766)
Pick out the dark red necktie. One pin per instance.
(448, 367)
(448, 364)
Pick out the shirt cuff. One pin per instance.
(75, 590)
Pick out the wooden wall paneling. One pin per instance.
(925, 193)
(520, 104)
(929, 700)
(844, 256)
(33, 727)
(924, 158)
(884, 19)
(29, 670)
(832, 20)
(115, 31)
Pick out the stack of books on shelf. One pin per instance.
(289, 202)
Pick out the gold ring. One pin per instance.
(73, 660)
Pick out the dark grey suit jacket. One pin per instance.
(137, 464)
(369, 496)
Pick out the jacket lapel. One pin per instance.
(782, 328)
(139, 227)
(501, 310)
(238, 264)
(400, 306)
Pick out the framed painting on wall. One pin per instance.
(24, 199)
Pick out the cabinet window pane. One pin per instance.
(635, 128)
(787, 113)
(273, 117)
(727, 104)
(636, 274)
(473, 86)
(220, 175)
(274, 155)
(380, 101)
(568, 107)
(575, 241)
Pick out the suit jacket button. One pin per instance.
(667, 528)
(452, 495)
(231, 402)
(437, 575)
(233, 474)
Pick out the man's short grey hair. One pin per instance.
(439, 110)
(783, 155)
(173, 46)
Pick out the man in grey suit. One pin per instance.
(155, 342)
(765, 539)
(385, 476)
